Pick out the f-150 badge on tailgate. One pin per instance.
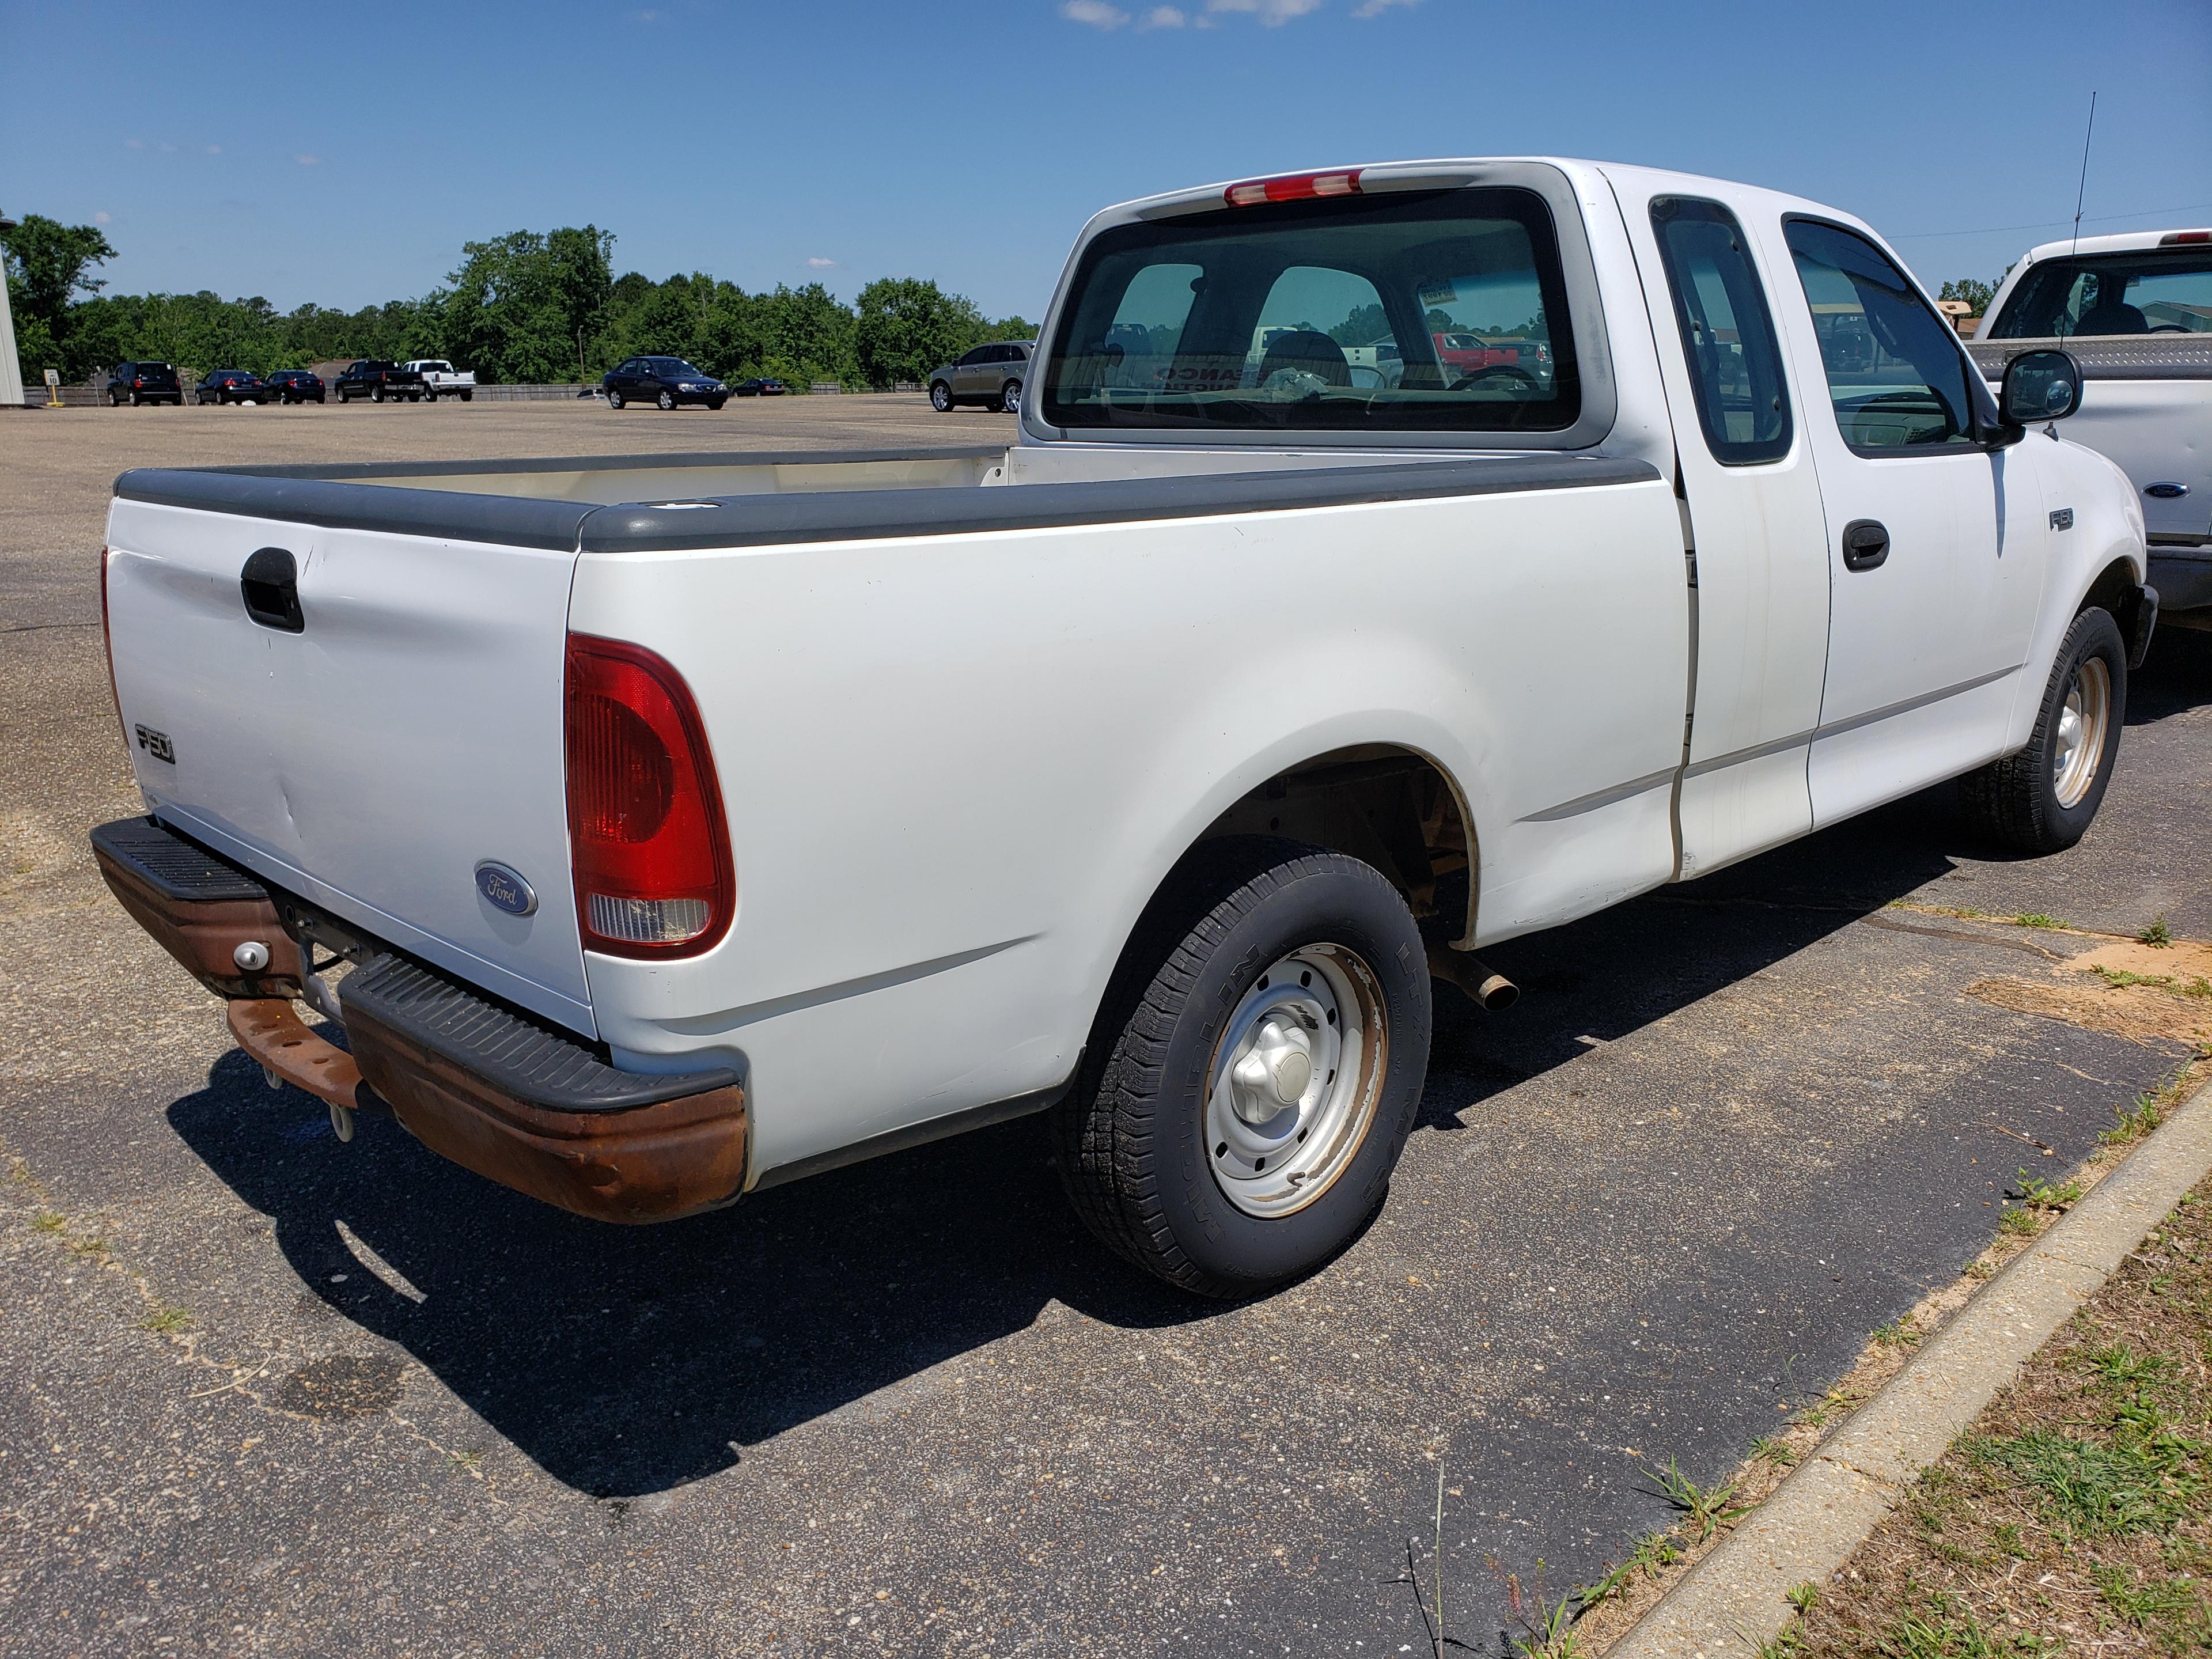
(156, 744)
(506, 889)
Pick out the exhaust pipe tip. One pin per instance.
(1483, 986)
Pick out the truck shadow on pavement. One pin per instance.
(625, 1362)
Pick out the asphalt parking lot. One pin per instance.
(264, 1392)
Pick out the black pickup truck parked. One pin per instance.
(375, 379)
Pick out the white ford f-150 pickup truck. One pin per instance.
(693, 822)
(2135, 311)
(441, 379)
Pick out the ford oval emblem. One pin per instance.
(506, 889)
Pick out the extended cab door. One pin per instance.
(1753, 514)
(1937, 542)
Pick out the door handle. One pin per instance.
(1866, 544)
(271, 584)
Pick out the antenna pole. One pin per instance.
(2081, 188)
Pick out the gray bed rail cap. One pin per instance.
(446, 515)
(340, 472)
(880, 514)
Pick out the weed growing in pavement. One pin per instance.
(1803, 1596)
(1706, 1509)
(1981, 1267)
(166, 1322)
(2020, 1223)
(1547, 1631)
(2135, 1121)
(1788, 1642)
(1901, 1333)
(1778, 1452)
(47, 1222)
(2155, 935)
(2040, 1194)
(2036, 919)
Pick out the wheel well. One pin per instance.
(1387, 806)
(2116, 591)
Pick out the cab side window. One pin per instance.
(1896, 374)
(1728, 333)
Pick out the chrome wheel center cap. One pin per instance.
(1274, 1071)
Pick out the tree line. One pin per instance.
(528, 307)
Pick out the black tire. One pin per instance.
(1010, 398)
(940, 396)
(376, 394)
(429, 397)
(615, 400)
(666, 400)
(468, 397)
(2017, 800)
(1131, 1136)
(714, 402)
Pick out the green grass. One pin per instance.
(166, 1322)
(2036, 919)
(1707, 1509)
(1898, 1333)
(2021, 1224)
(2040, 1194)
(1778, 1452)
(2156, 935)
(2135, 1121)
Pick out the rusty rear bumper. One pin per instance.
(516, 1101)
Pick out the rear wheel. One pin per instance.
(940, 396)
(468, 397)
(1255, 1070)
(666, 400)
(2044, 798)
(376, 394)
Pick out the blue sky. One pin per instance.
(344, 155)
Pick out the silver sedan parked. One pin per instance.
(990, 375)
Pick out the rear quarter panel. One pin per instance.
(956, 768)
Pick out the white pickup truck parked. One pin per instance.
(694, 822)
(441, 379)
(2135, 311)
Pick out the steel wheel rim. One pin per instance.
(2082, 720)
(1295, 1078)
(1012, 398)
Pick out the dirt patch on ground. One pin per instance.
(2123, 988)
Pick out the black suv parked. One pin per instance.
(144, 383)
(667, 381)
(296, 385)
(230, 386)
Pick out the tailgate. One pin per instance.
(409, 731)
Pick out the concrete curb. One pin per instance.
(1733, 1600)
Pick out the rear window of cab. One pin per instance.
(1322, 316)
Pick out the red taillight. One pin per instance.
(1293, 187)
(645, 832)
(2181, 236)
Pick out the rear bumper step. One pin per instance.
(526, 1107)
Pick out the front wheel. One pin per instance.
(2044, 798)
(1010, 397)
(940, 396)
(666, 400)
(429, 397)
(1255, 1070)
(714, 402)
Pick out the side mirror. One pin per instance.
(2040, 386)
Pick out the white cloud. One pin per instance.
(1376, 8)
(100, 219)
(820, 263)
(647, 17)
(1096, 12)
(215, 149)
(1271, 13)
(1162, 17)
(308, 161)
(134, 144)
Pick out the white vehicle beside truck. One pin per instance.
(441, 379)
(681, 826)
(2135, 311)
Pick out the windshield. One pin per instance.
(2111, 293)
(677, 366)
(1332, 315)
